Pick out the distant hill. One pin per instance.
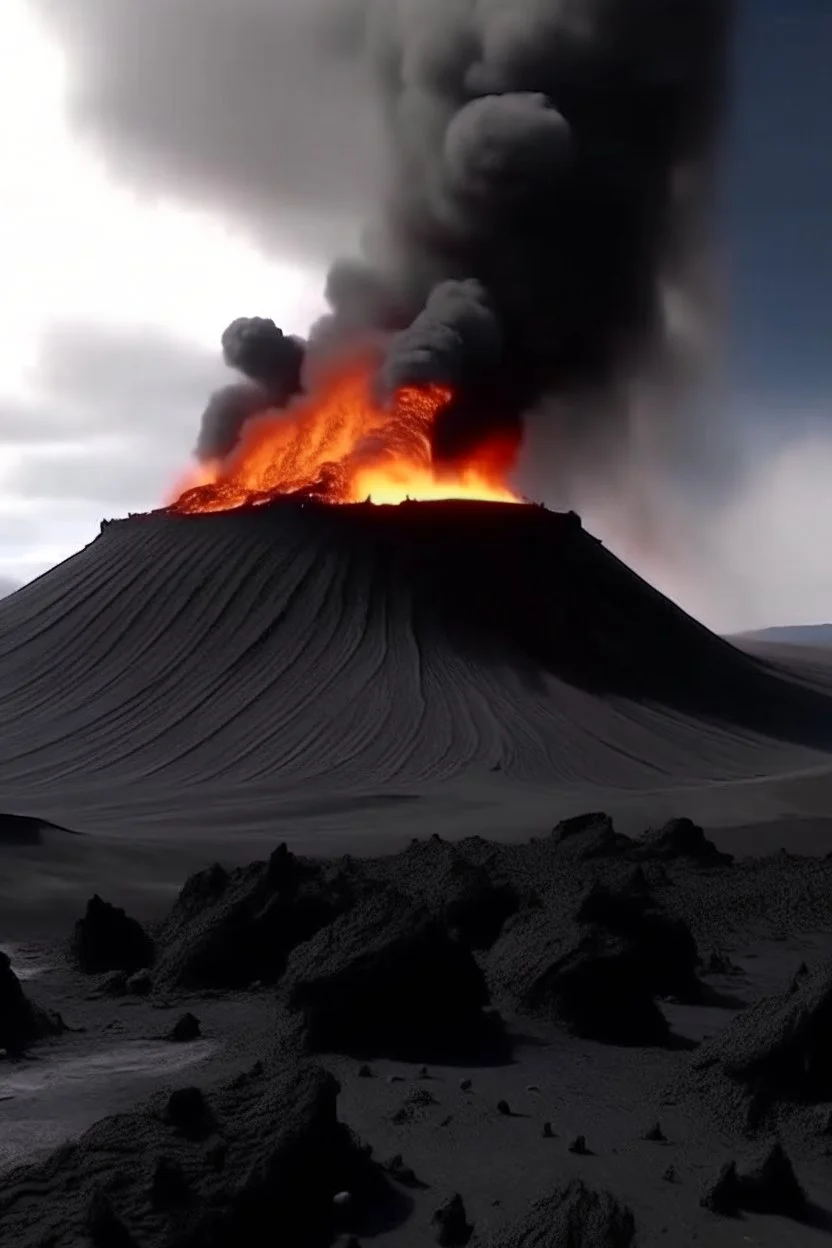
(794, 635)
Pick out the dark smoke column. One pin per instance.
(549, 181)
(271, 360)
(550, 176)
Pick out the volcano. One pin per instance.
(244, 667)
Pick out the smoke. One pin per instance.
(541, 232)
(263, 353)
(453, 340)
(271, 361)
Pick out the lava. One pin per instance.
(341, 445)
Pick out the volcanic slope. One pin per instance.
(233, 669)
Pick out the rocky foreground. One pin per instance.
(583, 951)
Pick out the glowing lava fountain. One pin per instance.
(341, 445)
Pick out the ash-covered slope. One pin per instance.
(233, 660)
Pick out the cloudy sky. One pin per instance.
(141, 151)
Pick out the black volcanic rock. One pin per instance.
(416, 1106)
(107, 939)
(721, 1193)
(463, 885)
(232, 930)
(775, 1054)
(590, 836)
(140, 983)
(662, 949)
(190, 1114)
(592, 820)
(572, 1217)
(21, 1021)
(169, 1186)
(285, 1158)
(769, 1186)
(386, 979)
(682, 838)
(450, 1224)
(599, 972)
(105, 1228)
(186, 1029)
(114, 985)
(479, 907)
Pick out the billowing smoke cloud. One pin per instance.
(271, 360)
(454, 340)
(257, 348)
(548, 185)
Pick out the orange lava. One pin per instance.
(340, 445)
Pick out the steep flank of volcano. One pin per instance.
(366, 648)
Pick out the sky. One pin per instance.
(138, 216)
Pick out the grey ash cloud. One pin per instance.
(108, 409)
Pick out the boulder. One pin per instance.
(451, 1228)
(284, 1158)
(140, 984)
(774, 1055)
(233, 930)
(574, 1216)
(591, 835)
(387, 980)
(681, 838)
(768, 1186)
(21, 1021)
(598, 970)
(186, 1029)
(107, 939)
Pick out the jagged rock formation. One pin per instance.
(768, 1186)
(231, 930)
(682, 838)
(107, 939)
(575, 1216)
(386, 978)
(450, 1223)
(591, 835)
(600, 972)
(568, 928)
(776, 1054)
(267, 1164)
(21, 1021)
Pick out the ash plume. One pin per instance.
(549, 176)
(271, 361)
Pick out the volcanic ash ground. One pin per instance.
(573, 1042)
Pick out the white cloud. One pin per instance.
(76, 246)
(91, 269)
(774, 538)
(754, 553)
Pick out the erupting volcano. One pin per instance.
(343, 444)
(539, 220)
(538, 224)
(350, 649)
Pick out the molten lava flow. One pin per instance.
(340, 445)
